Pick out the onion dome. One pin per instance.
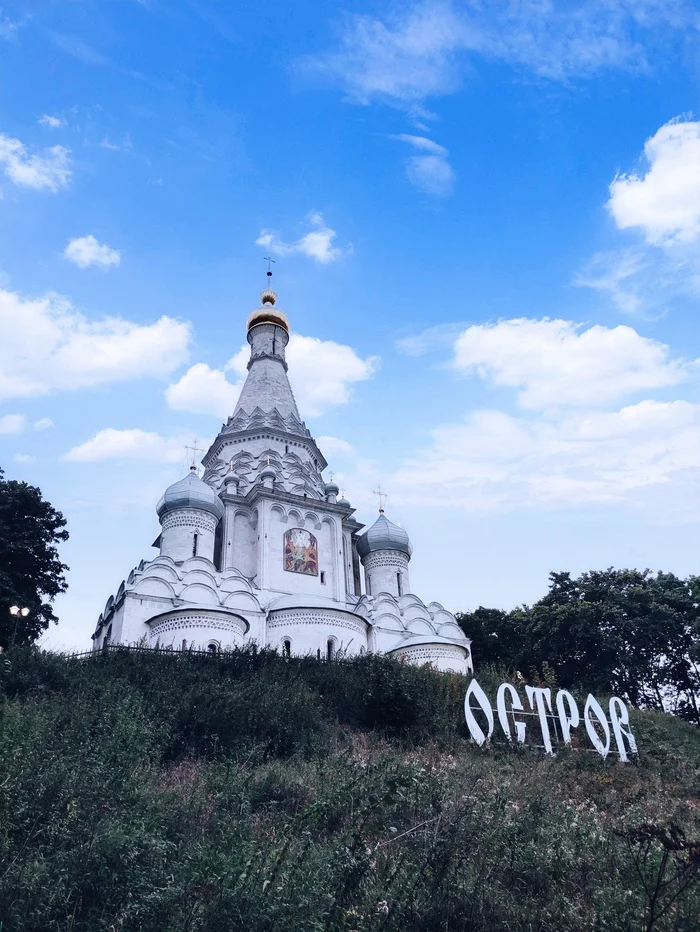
(268, 313)
(344, 502)
(190, 492)
(331, 488)
(268, 473)
(384, 535)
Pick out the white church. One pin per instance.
(260, 549)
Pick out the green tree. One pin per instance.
(31, 572)
(627, 631)
(497, 636)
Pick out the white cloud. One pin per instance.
(664, 202)
(51, 121)
(334, 446)
(23, 458)
(431, 172)
(317, 244)
(132, 444)
(423, 50)
(494, 461)
(12, 423)
(48, 345)
(85, 251)
(321, 373)
(47, 168)
(558, 362)
(203, 390)
(43, 423)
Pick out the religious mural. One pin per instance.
(300, 552)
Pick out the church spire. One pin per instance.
(267, 386)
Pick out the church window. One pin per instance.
(286, 448)
(213, 647)
(286, 648)
(318, 654)
(399, 584)
(194, 544)
(369, 585)
(330, 649)
(323, 577)
(108, 637)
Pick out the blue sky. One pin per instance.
(486, 226)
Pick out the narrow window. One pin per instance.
(194, 544)
(213, 648)
(318, 654)
(286, 448)
(399, 584)
(108, 637)
(330, 649)
(323, 577)
(368, 583)
(286, 648)
(184, 644)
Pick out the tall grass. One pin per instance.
(164, 791)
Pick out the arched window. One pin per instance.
(194, 544)
(286, 648)
(213, 647)
(330, 648)
(399, 584)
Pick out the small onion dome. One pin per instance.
(268, 473)
(331, 488)
(268, 313)
(344, 502)
(190, 492)
(384, 535)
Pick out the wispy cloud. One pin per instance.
(317, 244)
(85, 251)
(53, 122)
(129, 444)
(430, 171)
(659, 204)
(44, 168)
(421, 52)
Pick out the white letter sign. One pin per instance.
(593, 706)
(571, 720)
(474, 727)
(503, 712)
(508, 702)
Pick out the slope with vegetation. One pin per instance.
(153, 790)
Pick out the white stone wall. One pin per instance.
(446, 658)
(179, 527)
(275, 520)
(197, 629)
(310, 629)
(240, 539)
(387, 571)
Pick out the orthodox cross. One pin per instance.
(194, 449)
(270, 262)
(382, 496)
(331, 474)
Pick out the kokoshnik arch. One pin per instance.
(260, 549)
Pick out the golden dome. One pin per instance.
(268, 315)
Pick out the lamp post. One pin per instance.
(18, 612)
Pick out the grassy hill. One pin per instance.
(144, 791)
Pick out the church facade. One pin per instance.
(261, 549)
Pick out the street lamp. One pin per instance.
(18, 612)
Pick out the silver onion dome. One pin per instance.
(384, 535)
(190, 492)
